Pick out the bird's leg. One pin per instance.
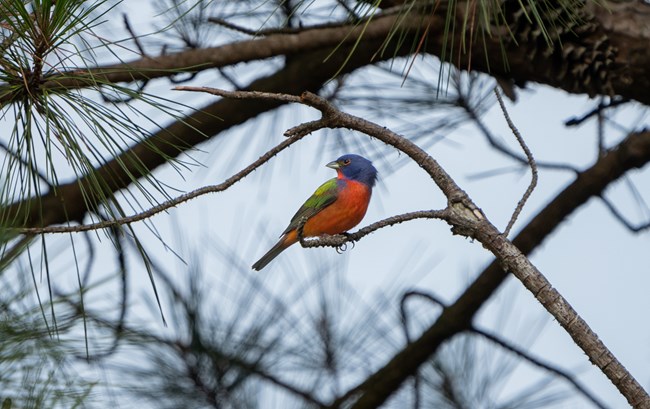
(347, 236)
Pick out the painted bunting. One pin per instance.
(337, 205)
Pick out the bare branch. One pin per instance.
(407, 335)
(9, 254)
(601, 130)
(135, 38)
(575, 121)
(30, 166)
(278, 30)
(172, 202)
(621, 218)
(340, 240)
(241, 94)
(234, 27)
(530, 159)
(500, 147)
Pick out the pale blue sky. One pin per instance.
(591, 259)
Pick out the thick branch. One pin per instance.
(606, 55)
(303, 44)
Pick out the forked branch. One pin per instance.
(529, 158)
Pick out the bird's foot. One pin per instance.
(344, 246)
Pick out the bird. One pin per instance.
(335, 207)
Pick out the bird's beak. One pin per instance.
(333, 165)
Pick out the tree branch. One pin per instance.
(540, 364)
(339, 240)
(504, 149)
(529, 158)
(327, 40)
(175, 201)
(614, 32)
(466, 219)
(634, 228)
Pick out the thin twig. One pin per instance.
(32, 168)
(141, 85)
(230, 79)
(621, 218)
(575, 121)
(601, 128)
(421, 294)
(234, 27)
(541, 364)
(279, 30)
(15, 250)
(135, 38)
(529, 157)
(505, 149)
(172, 202)
(241, 94)
(339, 240)
(407, 335)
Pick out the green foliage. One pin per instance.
(58, 131)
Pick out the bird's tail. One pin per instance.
(273, 253)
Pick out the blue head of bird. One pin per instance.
(356, 168)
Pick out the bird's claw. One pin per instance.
(344, 246)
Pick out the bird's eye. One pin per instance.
(346, 162)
